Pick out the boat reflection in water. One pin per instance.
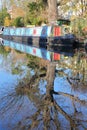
(32, 106)
(51, 55)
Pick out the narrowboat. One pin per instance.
(51, 37)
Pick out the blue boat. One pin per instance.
(48, 37)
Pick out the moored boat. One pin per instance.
(48, 37)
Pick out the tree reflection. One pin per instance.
(9, 102)
(77, 66)
(48, 109)
(78, 76)
(44, 116)
(4, 50)
(51, 113)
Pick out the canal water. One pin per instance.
(24, 103)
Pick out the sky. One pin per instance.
(6, 2)
(0, 4)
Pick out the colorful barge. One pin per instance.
(48, 37)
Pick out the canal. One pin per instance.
(28, 101)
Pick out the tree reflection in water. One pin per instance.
(9, 102)
(55, 110)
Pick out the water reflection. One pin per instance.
(30, 101)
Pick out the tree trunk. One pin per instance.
(52, 11)
(50, 77)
